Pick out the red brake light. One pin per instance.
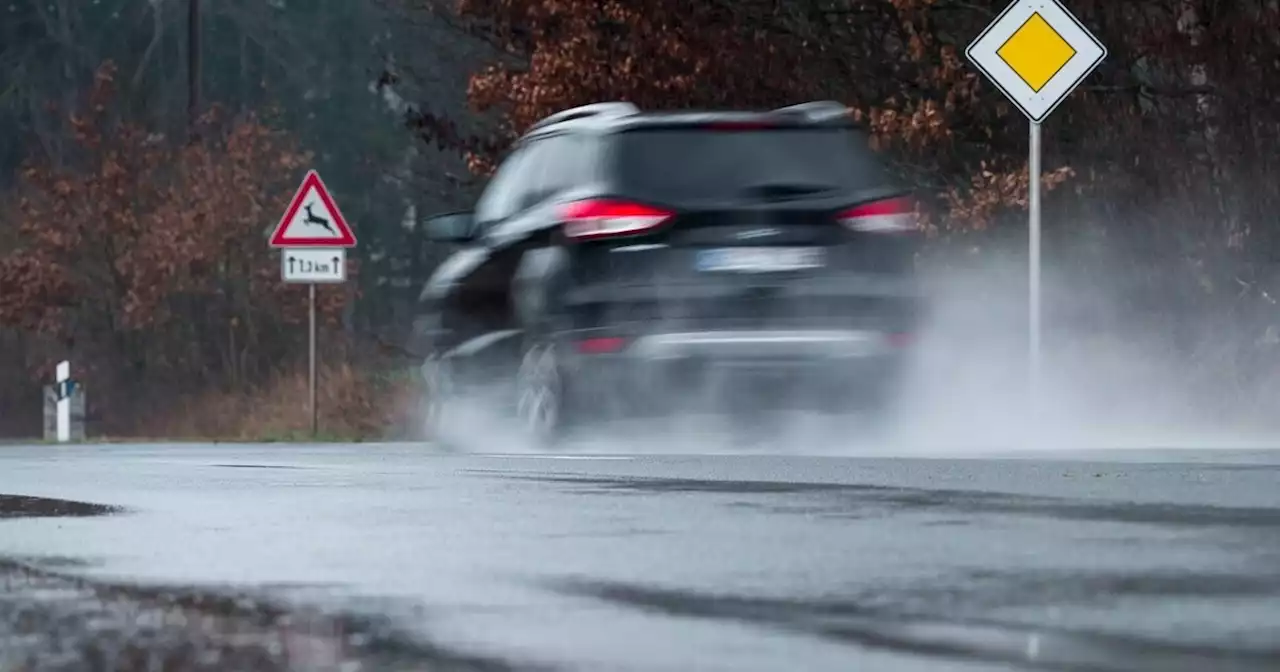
(605, 218)
(601, 345)
(894, 215)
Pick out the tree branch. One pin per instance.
(157, 32)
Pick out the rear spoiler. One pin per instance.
(606, 109)
(818, 110)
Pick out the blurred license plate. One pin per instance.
(759, 259)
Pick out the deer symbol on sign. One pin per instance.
(313, 218)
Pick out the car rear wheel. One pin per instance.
(541, 406)
(437, 392)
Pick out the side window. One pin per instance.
(534, 171)
(553, 177)
(579, 160)
(582, 165)
(562, 163)
(501, 197)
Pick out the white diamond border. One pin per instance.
(1036, 105)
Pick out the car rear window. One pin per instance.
(685, 164)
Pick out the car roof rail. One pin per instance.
(817, 110)
(611, 109)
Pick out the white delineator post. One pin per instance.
(64, 401)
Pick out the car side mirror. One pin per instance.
(454, 227)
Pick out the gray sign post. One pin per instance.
(313, 238)
(1036, 53)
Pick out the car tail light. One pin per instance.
(894, 215)
(606, 218)
(601, 345)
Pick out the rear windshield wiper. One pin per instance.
(771, 190)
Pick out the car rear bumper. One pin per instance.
(792, 367)
(762, 346)
(733, 346)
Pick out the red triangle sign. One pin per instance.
(313, 219)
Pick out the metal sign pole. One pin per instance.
(313, 238)
(1033, 206)
(311, 365)
(1036, 53)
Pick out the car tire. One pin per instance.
(438, 391)
(542, 407)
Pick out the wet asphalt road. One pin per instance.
(392, 557)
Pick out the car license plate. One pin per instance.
(759, 259)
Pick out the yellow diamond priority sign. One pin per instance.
(1036, 52)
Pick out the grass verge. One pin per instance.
(354, 405)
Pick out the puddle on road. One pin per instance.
(53, 622)
(853, 500)
(873, 625)
(21, 506)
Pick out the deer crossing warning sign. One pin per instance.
(313, 219)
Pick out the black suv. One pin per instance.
(622, 260)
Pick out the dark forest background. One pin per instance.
(138, 191)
